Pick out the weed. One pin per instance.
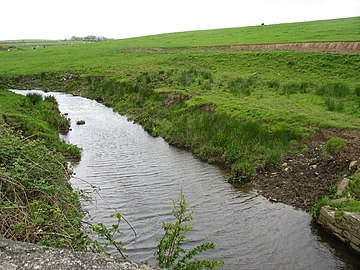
(170, 254)
(109, 234)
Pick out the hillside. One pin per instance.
(347, 29)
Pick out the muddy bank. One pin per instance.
(302, 180)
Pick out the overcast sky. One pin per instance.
(59, 19)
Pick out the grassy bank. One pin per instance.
(242, 109)
(37, 203)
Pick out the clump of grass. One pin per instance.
(34, 98)
(187, 77)
(335, 146)
(295, 87)
(242, 85)
(357, 90)
(191, 76)
(337, 89)
(333, 104)
(274, 84)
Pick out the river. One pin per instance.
(140, 176)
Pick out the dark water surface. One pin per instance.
(140, 176)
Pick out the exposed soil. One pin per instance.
(302, 180)
(341, 47)
(338, 47)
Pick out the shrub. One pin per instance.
(335, 146)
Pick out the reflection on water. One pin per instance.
(140, 176)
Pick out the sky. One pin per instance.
(60, 19)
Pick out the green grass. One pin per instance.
(37, 203)
(37, 119)
(242, 109)
(327, 30)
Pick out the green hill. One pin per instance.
(347, 29)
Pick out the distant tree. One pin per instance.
(89, 38)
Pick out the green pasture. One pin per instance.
(243, 109)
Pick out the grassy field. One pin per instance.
(242, 109)
(347, 29)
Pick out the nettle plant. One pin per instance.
(170, 254)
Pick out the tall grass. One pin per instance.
(336, 89)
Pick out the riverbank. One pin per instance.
(284, 160)
(37, 203)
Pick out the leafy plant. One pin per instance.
(170, 253)
(109, 234)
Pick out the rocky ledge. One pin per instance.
(20, 255)
(347, 228)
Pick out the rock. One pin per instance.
(19, 255)
(343, 184)
(340, 200)
(346, 228)
(353, 165)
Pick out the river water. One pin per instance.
(140, 176)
